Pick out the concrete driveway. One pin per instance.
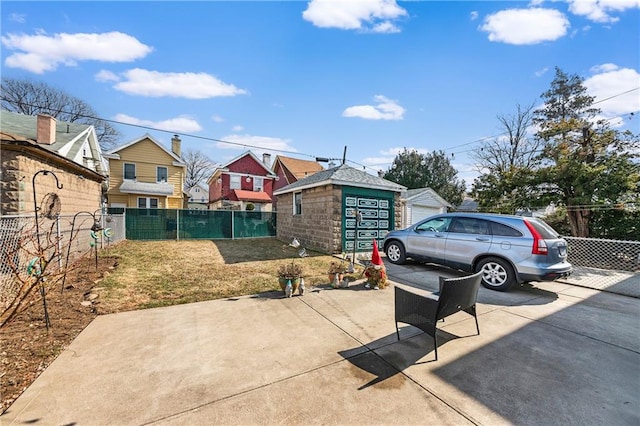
(548, 353)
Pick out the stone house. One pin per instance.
(68, 152)
(322, 210)
(145, 174)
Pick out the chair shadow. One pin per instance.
(387, 357)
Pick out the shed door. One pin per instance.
(420, 212)
(376, 208)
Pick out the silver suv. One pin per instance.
(507, 249)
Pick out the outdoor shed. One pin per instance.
(52, 157)
(320, 211)
(420, 203)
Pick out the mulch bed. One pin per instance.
(28, 347)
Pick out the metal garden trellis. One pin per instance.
(95, 227)
(51, 204)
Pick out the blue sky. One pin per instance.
(305, 79)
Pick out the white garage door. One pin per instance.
(420, 212)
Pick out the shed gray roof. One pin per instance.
(344, 175)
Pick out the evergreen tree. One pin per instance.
(432, 170)
(584, 164)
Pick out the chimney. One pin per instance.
(46, 129)
(175, 145)
(266, 159)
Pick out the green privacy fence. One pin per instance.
(166, 224)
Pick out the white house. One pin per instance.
(421, 203)
(198, 197)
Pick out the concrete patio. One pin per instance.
(548, 353)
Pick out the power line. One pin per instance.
(183, 134)
(245, 145)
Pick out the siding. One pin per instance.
(147, 156)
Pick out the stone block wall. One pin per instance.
(77, 193)
(319, 225)
(397, 209)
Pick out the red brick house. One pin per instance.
(290, 170)
(242, 182)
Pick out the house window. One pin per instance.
(147, 203)
(258, 184)
(235, 182)
(162, 174)
(297, 203)
(129, 171)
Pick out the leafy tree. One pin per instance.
(505, 163)
(584, 164)
(199, 168)
(433, 170)
(31, 98)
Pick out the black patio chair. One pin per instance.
(423, 312)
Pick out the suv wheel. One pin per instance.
(497, 274)
(395, 253)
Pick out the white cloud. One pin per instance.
(217, 119)
(368, 15)
(180, 124)
(386, 157)
(611, 81)
(178, 85)
(600, 10)
(525, 26)
(474, 15)
(257, 144)
(386, 109)
(603, 68)
(104, 75)
(385, 28)
(41, 53)
(18, 17)
(237, 128)
(541, 72)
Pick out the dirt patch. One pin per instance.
(28, 347)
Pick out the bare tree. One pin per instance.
(506, 164)
(515, 149)
(32, 98)
(199, 168)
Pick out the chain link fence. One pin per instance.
(609, 265)
(67, 237)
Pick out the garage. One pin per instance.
(420, 212)
(421, 203)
